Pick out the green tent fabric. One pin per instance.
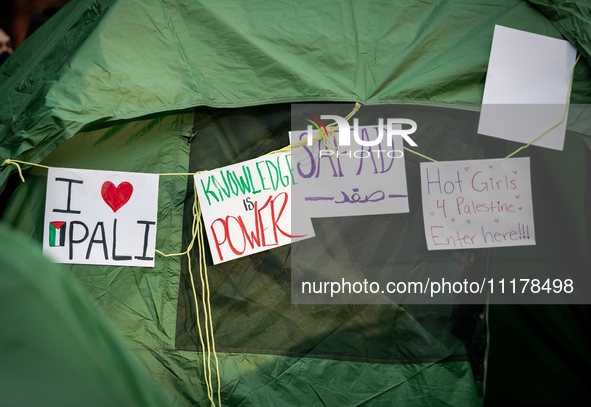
(55, 348)
(571, 19)
(97, 89)
(392, 354)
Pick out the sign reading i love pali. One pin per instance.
(100, 217)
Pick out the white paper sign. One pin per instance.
(526, 87)
(477, 203)
(100, 217)
(248, 207)
(353, 180)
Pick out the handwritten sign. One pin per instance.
(477, 203)
(248, 207)
(100, 217)
(353, 180)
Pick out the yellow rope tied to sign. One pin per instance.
(16, 163)
(331, 128)
(206, 299)
(419, 154)
(324, 136)
(195, 228)
(207, 346)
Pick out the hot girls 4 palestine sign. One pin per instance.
(477, 204)
(247, 207)
(101, 217)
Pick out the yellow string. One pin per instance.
(325, 136)
(331, 129)
(206, 367)
(419, 154)
(8, 161)
(570, 84)
(205, 314)
(202, 261)
(197, 234)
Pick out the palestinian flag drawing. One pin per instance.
(57, 234)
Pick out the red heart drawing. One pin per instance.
(466, 168)
(453, 219)
(496, 220)
(516, 196)
(118, 196)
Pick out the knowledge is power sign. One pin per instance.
(248, 207)
(100, 217)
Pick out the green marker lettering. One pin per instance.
(290, 170)
(261, 175)
(273, 183)
(207, 191)
(281, 177)
(225, 191)
(243, 183)
(254, 190)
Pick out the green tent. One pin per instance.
(56, 349)
(177, 87)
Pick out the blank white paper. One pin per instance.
(526, 87)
